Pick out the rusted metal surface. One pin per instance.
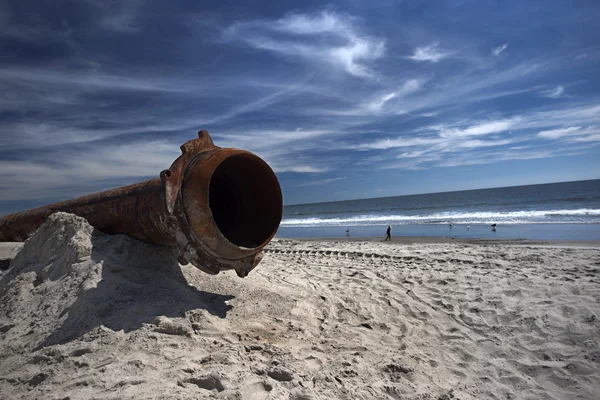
(219, 207)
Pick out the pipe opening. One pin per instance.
(245, 200)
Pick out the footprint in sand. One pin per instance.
(312, 363)
(256, 391)
(208, 382)
(490, 317)
(420, 315)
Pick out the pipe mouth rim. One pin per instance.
(240, 198)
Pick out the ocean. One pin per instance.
(553, 211)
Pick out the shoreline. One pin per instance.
(533, 232)
(446, 240)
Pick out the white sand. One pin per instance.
(85, 315)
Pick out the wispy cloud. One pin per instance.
(423, 94)
(431, 53)
(119, 15)
(484, 128)
(305, 169)
(582, 56)
(573, 134)
(412, 154)
(594, 137)
(558, 133)
(284, 150)
(553, 93)
(389, 143)
(461, 159)
(322, 181)
(494, 157)
(78, 171)
(469, 144)
(559, 117)
(499, 49)
(258, 140)
(322, 38)
(410, 86)
(431, 143)
(378, 104)
(34, 31)
(88, 79)
(444, 137)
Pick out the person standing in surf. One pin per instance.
(388, 233)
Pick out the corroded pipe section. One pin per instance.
(219, 207)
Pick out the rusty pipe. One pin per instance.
(218, 207)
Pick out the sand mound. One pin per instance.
(71, 288)
(85, 315)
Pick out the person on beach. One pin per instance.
(388, 232)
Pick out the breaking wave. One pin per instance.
(513, 217)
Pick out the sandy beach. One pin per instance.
(85, 315)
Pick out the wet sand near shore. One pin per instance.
(447, 239)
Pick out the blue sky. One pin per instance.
(344, 99)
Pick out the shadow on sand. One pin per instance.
(139, 282)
